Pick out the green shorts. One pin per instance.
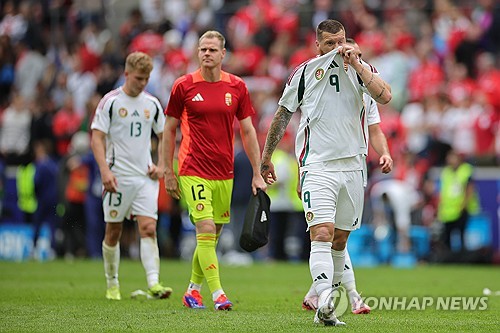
(207, 199)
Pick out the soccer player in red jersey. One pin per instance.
(205, 103)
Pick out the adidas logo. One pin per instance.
(333, 65)
(355, 222)
(212, 266)
(322, 276)
(263, 217)
(197, 98)
(135, 114)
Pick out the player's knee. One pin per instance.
(206, 227)
(149, 231)
(110, 241)
(340, 240)
(339, 245)
(322, 232)
(112, 234)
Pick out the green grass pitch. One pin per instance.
(59, 296)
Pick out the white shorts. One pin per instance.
(333, 197)
(135, 196)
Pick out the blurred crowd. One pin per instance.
(59, 57)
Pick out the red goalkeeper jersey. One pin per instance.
(207, 111)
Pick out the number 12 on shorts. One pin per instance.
(198, 192)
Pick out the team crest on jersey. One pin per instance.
(123, 112)
(320, 72)
(229, 99)
(147, 114)
(113, 213)
(309, 216)
(200, 207)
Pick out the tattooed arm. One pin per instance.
(376, 86)
(274, 135)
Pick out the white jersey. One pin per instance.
(128, 122)
(331, 103)
(372, 116)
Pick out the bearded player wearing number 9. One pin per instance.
(330, 148)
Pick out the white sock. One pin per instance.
(150, 258)
(353, 297)
(321, 266)
(311, 292)
(193, 286)
(111, 258)
(348, 280)
(216, 294)
(338, 266)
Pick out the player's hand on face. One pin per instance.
(385, 163)
(349, 53)
(172, 186)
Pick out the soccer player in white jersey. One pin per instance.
(121, 141)
(330, 146)
(378, 141)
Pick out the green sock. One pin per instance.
(208, 262)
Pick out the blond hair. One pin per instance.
(139, 61)
(214, 34)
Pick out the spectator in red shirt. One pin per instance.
(428, 77)
(488, 79)
(486, 127)
(306, 52)
(246, 58)
(66, 123)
